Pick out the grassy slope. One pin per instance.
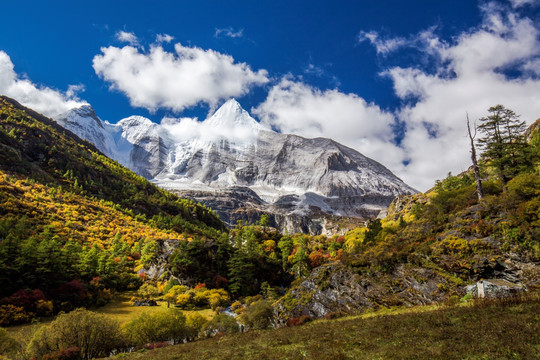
(485, 330)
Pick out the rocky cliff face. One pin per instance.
(241, 169)
(335, 289)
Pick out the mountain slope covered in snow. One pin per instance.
(293, 179)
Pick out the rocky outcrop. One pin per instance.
(329, 289)
(145, 303)
(160, 264)
(243, 204)
(335, 288)
(495, 288)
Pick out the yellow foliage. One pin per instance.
(354, 238)
(183, 299)
(269, 245)
(161, 286)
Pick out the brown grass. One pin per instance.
(507, 329)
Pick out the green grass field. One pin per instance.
(120, 309)
(481, 331)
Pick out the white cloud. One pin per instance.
(518, 3)
(297, 108)
(160, 79)
(470, 78)
(127, 37)
(187, 129)
(74, 90)
(426, 40)
(45, 100)
(383, 46)
(229, 32)
(164, 38)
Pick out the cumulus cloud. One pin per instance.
(45, 100)
(497, 62)
(471, 77)
(161, 79)
(127, 37)
(297, 108)
(187, 129)
(229, 32)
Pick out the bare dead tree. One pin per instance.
(479, 189)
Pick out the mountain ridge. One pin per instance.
(231, 149)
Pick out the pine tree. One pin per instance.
(503, 142)
(240, 273)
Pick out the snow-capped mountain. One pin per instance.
(243, 169)
(84, 122)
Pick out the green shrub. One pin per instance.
(258, 316)
(170, 284)
(221, 323)
(8, 345)
(95, 335)
(148, 291)
(194, 325)
(166, 325)
(525, 186)
(11, 314)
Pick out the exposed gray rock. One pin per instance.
(335, 289)
(159, 266)
(145, 303)
(495, 288)
(330, 288)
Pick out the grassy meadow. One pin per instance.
(489, 329)
(120, 308)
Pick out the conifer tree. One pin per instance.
(503, 142)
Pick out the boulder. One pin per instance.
(145, 303)
(495, 288)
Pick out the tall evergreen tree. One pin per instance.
(503, 142)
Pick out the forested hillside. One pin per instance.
(75, 225)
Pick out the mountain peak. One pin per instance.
(83, 116)
(136, 121)
(232, 115)
(232, 105)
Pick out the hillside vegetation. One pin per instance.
(75, 225)
(430, 246)
(486, 330)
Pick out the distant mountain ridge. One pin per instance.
(294, 179)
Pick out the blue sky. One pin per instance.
(392, 79)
